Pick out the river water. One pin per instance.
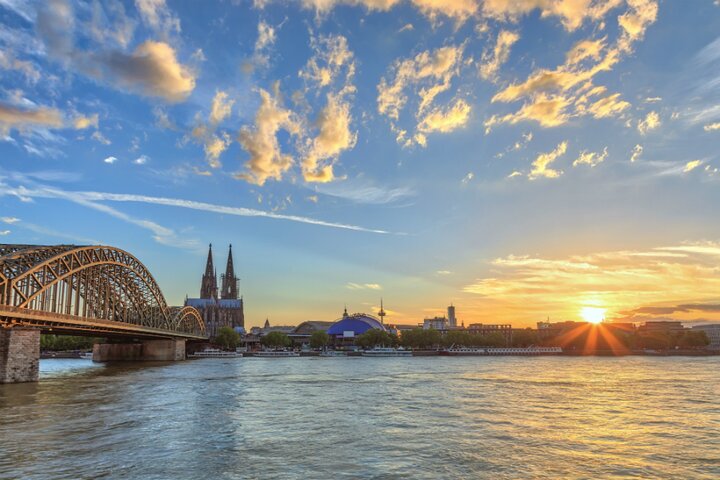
(461, 417)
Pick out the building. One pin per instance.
(548, 330)
(713, 333)
(452, 321)
(436, 323)
(302, 333)
(662, 326)
(441, 323)
(228, 309)
(488, 329)
(344, 330)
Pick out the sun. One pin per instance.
(593, 314)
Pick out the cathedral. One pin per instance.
(225, 310)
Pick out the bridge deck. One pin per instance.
(74, 325)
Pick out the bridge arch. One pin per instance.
(98, 282)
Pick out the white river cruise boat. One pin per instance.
(489, 351)
(387, 352)
(215, 353)
(276, 354)
(332, 353)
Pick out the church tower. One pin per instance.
(229, 280)
(208, 287)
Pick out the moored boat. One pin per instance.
(276, 354)
(387, 352)
(215, 353)
(491, 351)
(332, 353)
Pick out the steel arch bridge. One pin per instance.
(88, 290)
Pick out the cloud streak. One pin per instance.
(89, 199)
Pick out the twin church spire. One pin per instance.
(229, 285)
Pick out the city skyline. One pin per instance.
(521, 160)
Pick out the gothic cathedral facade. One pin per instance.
(223, 308)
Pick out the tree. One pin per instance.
(457, 338)
(655, 341)
(374, 337)
(319, 339)
(421, 338)
(66, 342)
(227, 338)
(693, 339)
(524, 338)
(276, 340)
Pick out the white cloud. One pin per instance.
(334, 137)
(9, 220)
(637, 151)
(141, 160)
(692, 165)
(152, 69)
(157, 15)
(331, 69)
(358, 191)
(81, 122)
(425, 76)
(493, 60)
(99, 137)
(591, 158)
(267, 161)
(4, 232)
(12, 117)
(27, 68)
(86, 198)
(712, 126)
(110, 160)
(651, 122)
(540, 167)
(363, 286)
(162, 119)
(221, 107)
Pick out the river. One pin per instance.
(429, 418)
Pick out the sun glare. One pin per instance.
(593, 314)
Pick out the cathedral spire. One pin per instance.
(208, 287)
(229, 280)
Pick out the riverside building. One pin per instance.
(219, 309)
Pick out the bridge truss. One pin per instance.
(97, 290)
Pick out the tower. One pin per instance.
(208, 286)
(452, 321)
(381, 313)
(229, 289)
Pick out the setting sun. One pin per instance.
(593, 314)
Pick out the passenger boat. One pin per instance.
(333, 353)
(276, 354)
(215, 353)
(387, 352)
(86, 355)
(490, 351)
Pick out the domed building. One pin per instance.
(344, 330)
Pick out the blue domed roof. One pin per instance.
(357, 322)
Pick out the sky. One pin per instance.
(520, 159)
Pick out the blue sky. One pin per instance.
(522, 159)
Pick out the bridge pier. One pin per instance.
(19, 355)
(146, 351)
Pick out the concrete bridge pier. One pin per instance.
(19, 355)
(145, 351)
